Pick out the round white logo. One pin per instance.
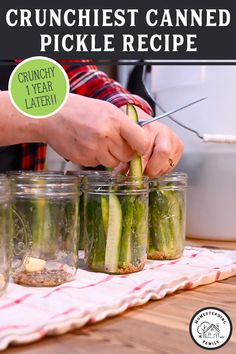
(210, 328)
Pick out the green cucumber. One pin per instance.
(41, 223)
(70, 214)
(105, 212)
(153, 222)
(94, 233)
(139, 234)
(118, 247)
(136, 169)
(81, 222)
(134, 237)
(161, 229)
(166, 223)
(113, 234)
(176, 220)
(125, 249)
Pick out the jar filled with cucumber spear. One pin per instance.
(167, 216)
(116, 219)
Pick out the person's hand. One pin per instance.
(165, 147)
(164, 152)
(92, 132)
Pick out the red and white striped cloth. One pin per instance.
(28, 314)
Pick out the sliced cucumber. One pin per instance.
(105, 212)
(176, 220)
(136, 169)
(127, 222)
(41, 223)
(113, 234)
(118, 218)
(166, 218)
(161, 228)
(94, 233)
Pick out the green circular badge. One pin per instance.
(38, 87)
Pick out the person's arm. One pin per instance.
(15, 128)
(74, 132)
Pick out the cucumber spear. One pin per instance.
(133, 236)
(166, 224)
(113, 234)
(136, 169)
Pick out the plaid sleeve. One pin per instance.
(88, 81)
(33, 156)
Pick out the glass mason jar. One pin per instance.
(5, 232)
(116, 224)
(45, 212)
(81, 175)
(167, 216)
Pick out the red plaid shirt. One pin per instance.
(88, 81)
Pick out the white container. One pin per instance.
(211, 198)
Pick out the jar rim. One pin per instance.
(108, 185)
(171, 181)
(85, 173)
(108, 180)
(32, 173)
(51, 178)
(44, 185)
(171, 177)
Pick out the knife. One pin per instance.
(142, 123)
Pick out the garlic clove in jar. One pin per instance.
(32, 264)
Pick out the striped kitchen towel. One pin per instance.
(28, 314)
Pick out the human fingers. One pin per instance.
(164, 158)
(158, 162)
(135, 136)
(106, 158)
(122, 167)
(120, 149)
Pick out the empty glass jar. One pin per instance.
(45, 212)
(116, 224)
(167, 216)
(5, 232)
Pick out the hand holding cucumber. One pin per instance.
(164, 150)
(90, 132)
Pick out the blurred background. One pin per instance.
(211, 196)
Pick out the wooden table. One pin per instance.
(158, 327)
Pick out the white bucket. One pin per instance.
(211, 198)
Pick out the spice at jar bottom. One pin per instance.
(38, 272)
(168, 255)
(130, 268)
(42, 278)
